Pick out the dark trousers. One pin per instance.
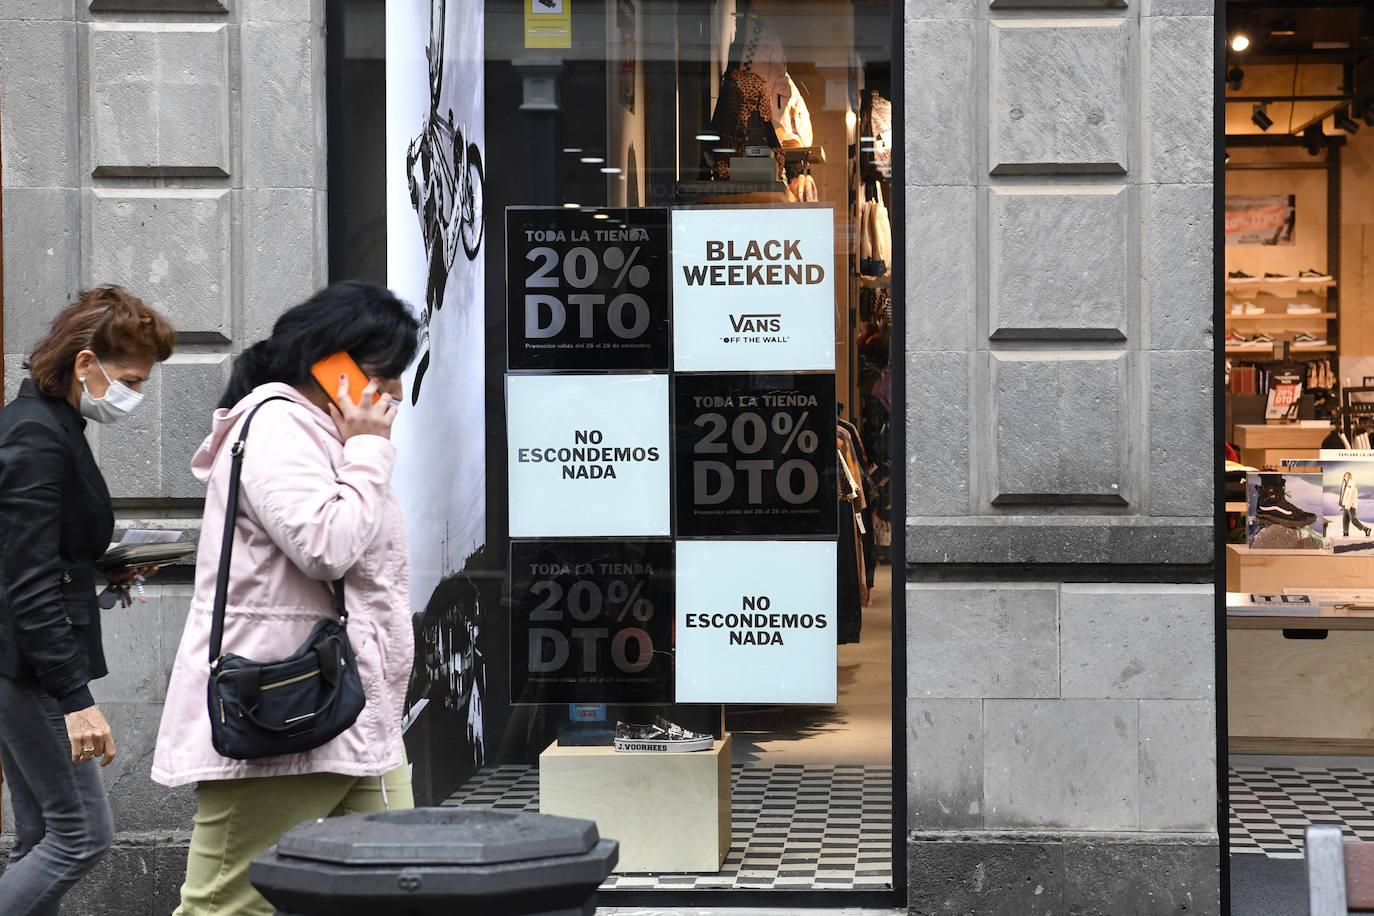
(1347, 518)
(62, 822)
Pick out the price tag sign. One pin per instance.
(591, 622)
(587, 290)
(755, 455)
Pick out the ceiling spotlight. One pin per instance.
(708, 137)
(1313, 140)
(1239, 42)
(1261, 117)
(1342, 121)
(1234, 77)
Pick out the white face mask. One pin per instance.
(117, 403)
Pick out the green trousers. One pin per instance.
(238, 818)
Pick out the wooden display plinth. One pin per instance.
(1270, 572)
(670, 812)
(1265, 445)
(1300, 696)
(1300, 685)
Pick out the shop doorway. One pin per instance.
(1296, 370)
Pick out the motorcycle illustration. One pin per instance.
(445, 176)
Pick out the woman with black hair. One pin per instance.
(315, 504)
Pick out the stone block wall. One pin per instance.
(1061, 727)
(175, 147)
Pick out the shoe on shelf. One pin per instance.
(1302, 308)
(1273, 508)
(1262, 339)
(1236, 340)
(1279, 278)
(1240, 276)
(660, 737)
(1307, 339)
(1246, 308)
(1311, 274)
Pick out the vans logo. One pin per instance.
(757, 323)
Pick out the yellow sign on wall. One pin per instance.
(548, 23)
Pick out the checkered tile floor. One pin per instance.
(1271, 806)
(795, 827)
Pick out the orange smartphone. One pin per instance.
(328, 370)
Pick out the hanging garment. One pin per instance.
(795, 126)
(804, 188)
(882, 390)
(743, 95)
(880, 122)
(848, 585)
(760, 51)
(875, 243)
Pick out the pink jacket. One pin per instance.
(311, 508)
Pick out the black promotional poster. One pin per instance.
(587, 289)
(591, 622)
(755, 454)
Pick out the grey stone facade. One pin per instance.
(1060, 734)
(174, 147)
(1058, 238)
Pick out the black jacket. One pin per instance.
(55, 520)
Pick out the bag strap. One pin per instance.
(226, 549)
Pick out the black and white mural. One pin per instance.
(435, 233)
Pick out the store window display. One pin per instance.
(652, 540)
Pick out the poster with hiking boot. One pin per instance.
(1348, 504)
(1285, 511)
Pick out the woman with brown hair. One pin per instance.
(55, 521)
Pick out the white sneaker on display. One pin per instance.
(1301, 308)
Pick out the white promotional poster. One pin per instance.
(756, 621)
(588, 455)
(435, 123)
(753, 289)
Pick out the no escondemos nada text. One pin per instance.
(756, 629)
(587, 458)
(773, 262)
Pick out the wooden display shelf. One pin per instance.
(1276, 316)
(670, 812)
(1267, 351)
(1280, 287)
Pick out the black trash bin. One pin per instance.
(436, 860)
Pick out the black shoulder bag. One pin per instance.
(261, 709)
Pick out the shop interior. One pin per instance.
(681, 103)
(1298, 377)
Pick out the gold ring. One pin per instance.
(89, 749)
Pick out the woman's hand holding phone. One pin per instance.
(367, 418)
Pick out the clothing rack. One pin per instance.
(1350, 409)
